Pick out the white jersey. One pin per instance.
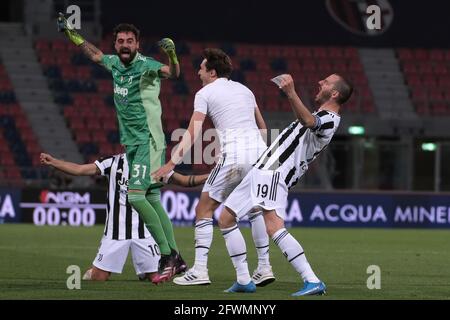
(231, 107)
(122, 221)
(297, 146)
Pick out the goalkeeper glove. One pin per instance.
(168, 47)
(64, 26)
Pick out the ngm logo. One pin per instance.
(64, 197)
(121, 91)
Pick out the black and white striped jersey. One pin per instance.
(297, 146)
(122, 221)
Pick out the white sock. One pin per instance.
(260, 238)
(203, 239)
(238, 253)
(293, 252)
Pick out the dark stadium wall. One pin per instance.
(11, 10)
(415, 24)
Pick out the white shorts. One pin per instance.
(259, 189)
(113, 254)
(224, 178)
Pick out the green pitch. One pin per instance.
(413, 263)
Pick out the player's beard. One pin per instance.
(130, 57)
(322, 97)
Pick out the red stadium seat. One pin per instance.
(429, 81)
(80, 100)
(41, 45)
(439, 108)
(351, 52)
(418, 94)
(82, 137)
(436, 95)
(437, 55)
(273, 51)
(106, 149)
(68, 72)
(340, 66)
(405, 54)
(422, 108)
(93, 124)
(444, 81)
(319, 52)
(84, 73)
(420, 54)
(410, 68)
(425, 68)
(243, 50)
(77, 124)
(110, 125)
(3, 147)
(59, 45)
(440, 69)
(63, 60)
(258, 51)
(414, 80)
(288, 52)
(118, 149)
(13, 172)
(98, 136)
(7, 160)
(33, 147)
(324, 65)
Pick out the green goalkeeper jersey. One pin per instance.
(136, 97)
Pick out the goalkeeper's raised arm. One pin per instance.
(171, 71)
(91, 51)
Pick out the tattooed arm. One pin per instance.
(92, 52)
(88, 49)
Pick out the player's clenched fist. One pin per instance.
(64, 26)
(46, 159)
(168, 46)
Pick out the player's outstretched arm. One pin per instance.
(259, 119)
(187, 181)
(188, 139)
(69, 167)
(302, 113)
(171, 71)
(261, 124)
(91, 51)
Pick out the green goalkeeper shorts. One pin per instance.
(143, 159)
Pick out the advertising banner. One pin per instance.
(9, 205)
(309, 209)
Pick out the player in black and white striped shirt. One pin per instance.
(124, 229)
(276, 171)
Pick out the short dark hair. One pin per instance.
(345, 89)
(126, 27)
(218, 60)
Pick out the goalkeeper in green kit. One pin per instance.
(137, 81)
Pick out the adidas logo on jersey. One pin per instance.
(138, 182)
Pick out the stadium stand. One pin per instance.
(19, 149)
(427, 73)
